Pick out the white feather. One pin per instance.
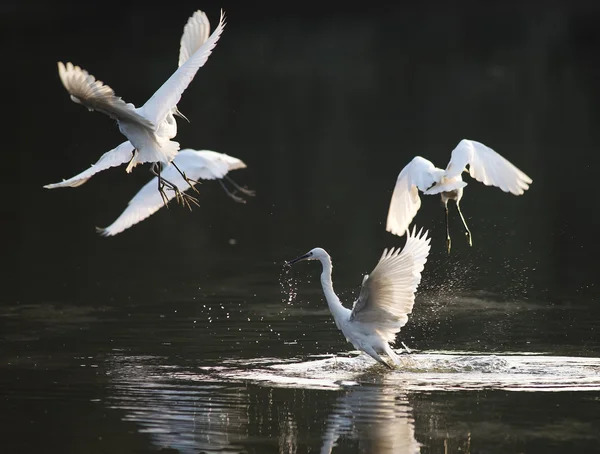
(197, 165)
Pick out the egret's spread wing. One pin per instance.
(487, 166)
(146, 202)
(195, 33)
(113, 158)
(169, 94)
(197, 165)
(388, 293)
(419, 174)
(93, 94)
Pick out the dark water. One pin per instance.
(180, 334)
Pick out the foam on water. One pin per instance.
(426, 371)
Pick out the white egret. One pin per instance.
(485, 165)
(386, 297)
(202, 164)
(150, 128)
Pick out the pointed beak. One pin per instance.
(297, 259)
(179, 114)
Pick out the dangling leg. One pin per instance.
(161, 185)
(448, 241)
(467, 231)
(185, 177)
(231, 193)
(182, 197)
(242, 189)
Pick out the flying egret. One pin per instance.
(202, 164)
(150, 128)
(485, 165)
(386, 297)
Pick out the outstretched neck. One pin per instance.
(335, 306)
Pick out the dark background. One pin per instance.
(325, 102)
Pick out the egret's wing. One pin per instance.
(113, 158)
(487, 166)
(419, 174)
(93, 94)
(169, 94)
(388, 293)
(146, 202)
(195, 33)
(214, 165)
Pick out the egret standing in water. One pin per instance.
(151, 127)
(485, 165)
(386, 297)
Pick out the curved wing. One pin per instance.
(487, 166)
(93, 94)
(195, 33)
(113, 158)
(169, 94)
(388, 293)
(148, 200)
(419, 174)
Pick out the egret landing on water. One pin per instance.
(203, 164)
(386, 297)
(485, 165)
(150, 128)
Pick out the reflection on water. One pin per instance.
(377, 416)
(345, 403)
(207, 417)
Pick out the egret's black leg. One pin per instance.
(467, 231)
(185, 177)
(161, 185)
(242, 189)
(182, 197)
(231, 193)
(448, 240)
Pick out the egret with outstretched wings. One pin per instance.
(150, 128)
(485, 165)
(386, 297)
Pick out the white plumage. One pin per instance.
(150, 128)
(197, 165)
(386, 298)
(484, 164)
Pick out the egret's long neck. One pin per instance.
(335, 306)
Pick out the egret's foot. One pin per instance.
(188, 180)
(231, 194)
(448, 244)
(185, 199)
(469, 238)
(237, 198)
(244, 190)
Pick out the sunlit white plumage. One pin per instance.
(151, 127)
(386, 297)
(484, 164)
(195, 34)
(197, 165)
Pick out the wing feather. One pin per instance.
(387, 295)
(197, 165)
(113, 158)
(487, 166)
(93, 94)
(195, 33)
(169, 94)
(418, 174)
